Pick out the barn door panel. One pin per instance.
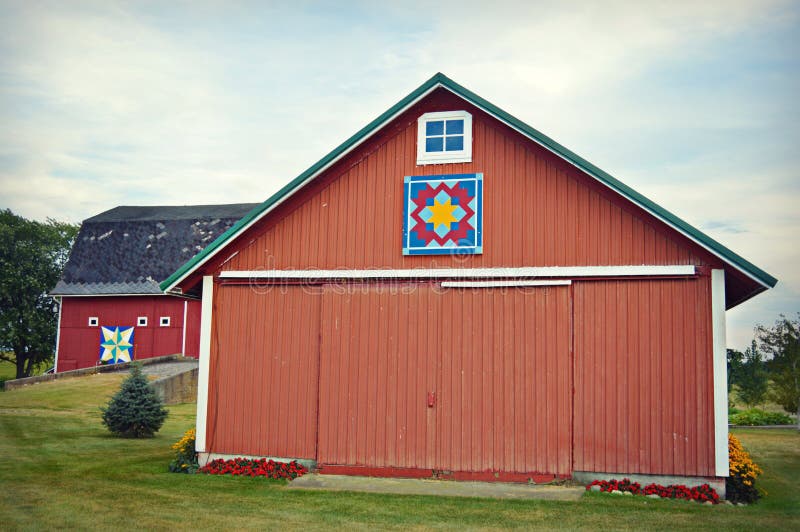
(505, 380)
(379, 346)
(264, 371)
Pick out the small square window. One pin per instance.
(93, 321)
(444, 137)
(164, 321)
(141, 321)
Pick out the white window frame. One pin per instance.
(141, 321)
(444, 157)
(163, 321)
(93, 321)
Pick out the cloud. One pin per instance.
(691, 103)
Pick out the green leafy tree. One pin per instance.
(782, 343)
(135, 411)
(752, 377)
(735, 360)
(32, 257)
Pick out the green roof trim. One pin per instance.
(441, 80)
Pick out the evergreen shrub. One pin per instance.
(135, 411)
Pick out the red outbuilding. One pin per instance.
(452, 294)
(112, 309)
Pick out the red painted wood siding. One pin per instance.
(193, 312)
(263, 372)
(499, 365)
(79, 344)
(539, 211)
(643, 377)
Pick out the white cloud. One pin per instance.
(117, 103)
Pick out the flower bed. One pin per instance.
(254, 468)
(703, 493)
(185, 457)
(740, 486)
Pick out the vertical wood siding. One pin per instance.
(264, 371)
(643, 377)
(79, 344)
(499, 368)
(538, 211)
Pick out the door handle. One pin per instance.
(431, 399)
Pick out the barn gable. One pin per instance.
(596, 219)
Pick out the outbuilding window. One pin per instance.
(444, 137)
(164, 321)
(93, 321)
(141, 321)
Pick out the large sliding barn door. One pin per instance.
(264, 355)
(459, 379)
(505, 380)
(377, 363)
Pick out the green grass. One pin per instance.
(61, 469)
(7, 370)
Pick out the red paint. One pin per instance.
(79, 344)
(562, 217)
(263, 387)
(604, 375)
(643, 377)
(410, 472)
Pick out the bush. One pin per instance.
(740, 486)
(185, 456)
(755, 417)
(135, 411)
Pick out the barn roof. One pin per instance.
(441, 81)
(129, 250)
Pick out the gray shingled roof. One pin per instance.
(129, 250)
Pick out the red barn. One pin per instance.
(452, 294)
(112, 309)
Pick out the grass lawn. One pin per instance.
(61, 469)
(7, 370)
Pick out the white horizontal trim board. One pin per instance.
(470, 273)
(500, 284)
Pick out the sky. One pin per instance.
(693, 104)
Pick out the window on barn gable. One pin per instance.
(164, 322)
(141, 321)
(93, 321)
(444, 137)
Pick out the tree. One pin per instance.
(135, 411)
(735, 360)
(752, 377)
(32, 257)
(782, 342)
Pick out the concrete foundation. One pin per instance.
(179, 388)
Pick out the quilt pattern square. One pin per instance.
(443, 214)
(116, 344)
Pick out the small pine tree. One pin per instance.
(135, 411)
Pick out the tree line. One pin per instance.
(770, 367)
(32, 258)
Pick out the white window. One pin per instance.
(164, 321)
(93, 321)
(141, 321)
(444, 137)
